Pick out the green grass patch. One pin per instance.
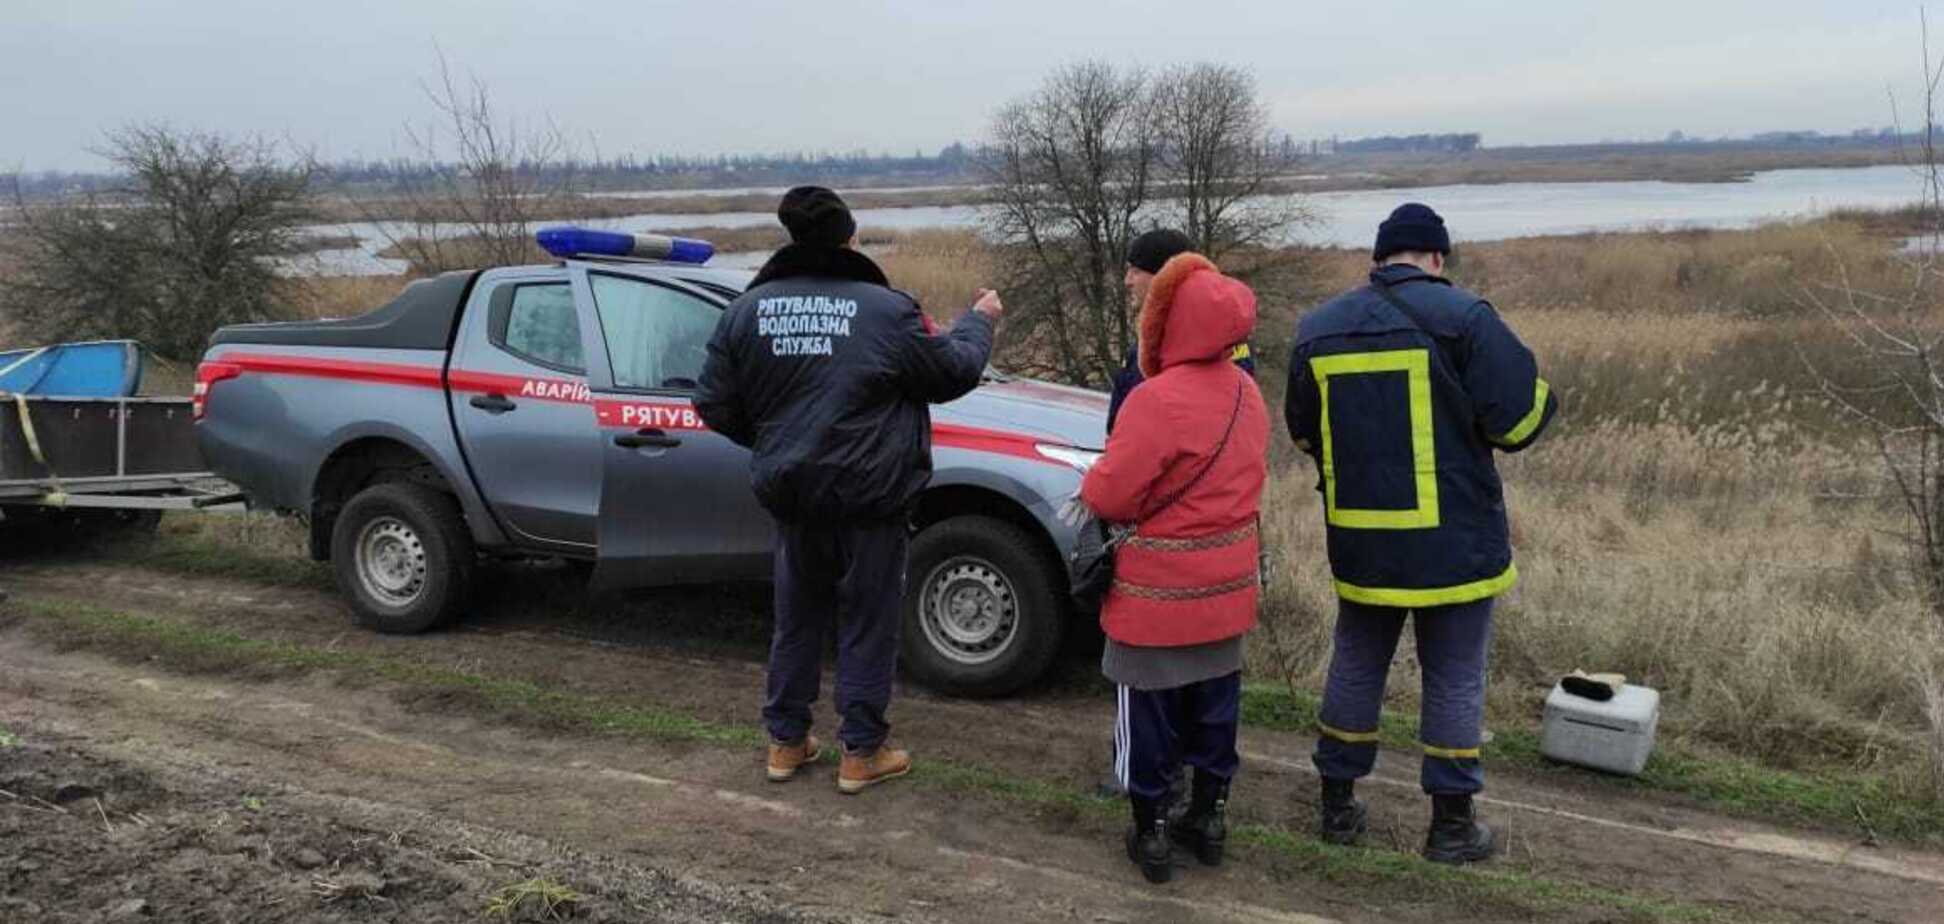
(1355, 865)
(1861, 802)
(1359, 866)
(202, 556)
(196, 649)
(221, 651)
(7, 738)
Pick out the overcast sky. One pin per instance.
(645, 77)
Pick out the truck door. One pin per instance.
(676, 506)
(518, 387)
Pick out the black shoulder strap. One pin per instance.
(1383, 289)
(1410, 314)
(1181, 492)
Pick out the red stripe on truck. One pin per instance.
(346, 369)
(1019, 445)
(671, 414)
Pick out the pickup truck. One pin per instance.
(545, 411)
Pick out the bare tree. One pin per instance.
(484, 182)
(1890, 383)
(1218, 157)
(186, 245)
(1070, 167)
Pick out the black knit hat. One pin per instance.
(1153, 249)
(815, 215)
(1412, 227)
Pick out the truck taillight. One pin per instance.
(207, 375)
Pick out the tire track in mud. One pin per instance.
(1623, 843)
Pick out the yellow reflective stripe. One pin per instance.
(1348, 737)
(1521, 431)
(1416, 366)
(1432, 750)
(1416, 597)
(1240, 353)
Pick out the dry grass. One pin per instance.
(942, 269)
(1699, 518)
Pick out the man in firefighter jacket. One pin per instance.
(826, 374)
(1401, 391)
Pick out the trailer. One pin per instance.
(102, 460)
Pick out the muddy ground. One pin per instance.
(148, 785)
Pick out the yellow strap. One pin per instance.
(1432, 750)
(58, 496)
(1348, 737)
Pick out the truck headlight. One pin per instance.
(1080, 459)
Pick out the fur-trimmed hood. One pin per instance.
(1193, 313)
(819, 261)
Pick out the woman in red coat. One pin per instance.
(1185, 466)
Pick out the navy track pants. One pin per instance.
(1159, 730)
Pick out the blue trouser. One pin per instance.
(848, 579)
(1451, 648)
(1159, 730)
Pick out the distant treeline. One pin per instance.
(954, 164)
(1409, 144)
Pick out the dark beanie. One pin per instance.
(1153, 249)
(815, 215)
(1413, 227)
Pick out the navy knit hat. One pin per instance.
(1412, 227)
(1153, 249)
(815, 215)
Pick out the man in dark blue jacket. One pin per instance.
(826, 374)
(1401, 391)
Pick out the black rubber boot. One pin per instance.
(1147, 841)
(1456, 836)
(1203, 829)
(1343, 818)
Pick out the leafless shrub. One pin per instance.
(184, 246)
(1893, 326)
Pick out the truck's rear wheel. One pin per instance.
(984, 611)
(403, 557)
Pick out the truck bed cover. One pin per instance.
(421, 318)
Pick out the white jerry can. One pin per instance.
(1615, 736)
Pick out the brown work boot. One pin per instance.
(786, 759)
(860, 771)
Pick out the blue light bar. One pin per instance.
(570, 241)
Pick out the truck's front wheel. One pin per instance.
(403, 557)
(984, 611)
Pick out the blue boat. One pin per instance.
(98, 369)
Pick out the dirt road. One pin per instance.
(194, 749)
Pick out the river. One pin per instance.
(1349, 219)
